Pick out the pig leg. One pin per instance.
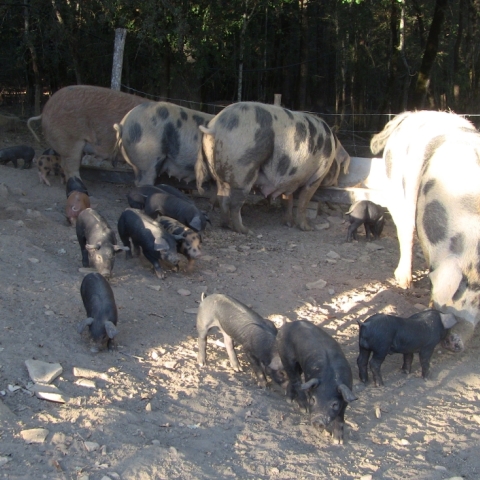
(223, 196)
(237, 199)
(425, 356)
(288, 219)
(375, 364)
(338, 426)
(71, 162)
(362, 362)
(368, 231)
(261, 380)
(294, 391)
(202, 347)
(227, 339)
(352, 230)
(306, 193)
(407, 362)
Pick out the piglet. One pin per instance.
(386, 334)
(370, 214)
(137, 196)
(12, 154)
(77, 199)
(99, 304)
(189, 243)
(170, 205)
(47, 164)
(143, 231)
(243, 326)
(327, 389)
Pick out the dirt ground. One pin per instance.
(151, 413)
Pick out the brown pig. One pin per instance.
(76, 203)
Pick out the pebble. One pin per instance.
(34, 435)
(373, 246)
(322, 226)
(148, 407)
(170, 365)
(50, 393)
(403, 441)
(297, 268)
(334, 255)
(378, 412)
(317, 284)
(156, 442)
(91, 446)
(34, 260)
(440, 468)
(330, 260)
(4, 460)
(224, 268)
(155, 287)
(191, 310)
(49, 313)
(207, 258)
(85, 382)
(419, 306)
(62, 251)
(20, 223)
(87, 373)
(184, 292)
(331, 291)
(366, 477)
(13, 388)
(83, 477)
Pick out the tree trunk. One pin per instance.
(302, 87)
(120, 36)
(33, 53)
(429, 56)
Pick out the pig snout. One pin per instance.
(171, 257)
(454, 343)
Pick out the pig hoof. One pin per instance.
(305, 227)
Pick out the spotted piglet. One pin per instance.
(47, 164)
(382, 335)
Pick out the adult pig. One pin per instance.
(382, 335)
(327, 390)
(161, 137)
(81, 117)
(97, 241)
(101, 309)
(189, 242)
(440, 196)
(142, 231)
(273, 148)
(13, 154)
(168, 205)
(371, 215)
(243, 326)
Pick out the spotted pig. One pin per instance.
(161, 137)
(47, 164)
(432, 165)
(80, 118)
(253, 144)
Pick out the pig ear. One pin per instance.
(119, 248)
(93, 247)
(111, 329)
(179, 237)
(347, 394)
(84, 323)
(312, 383)
(445, 280)
(161, 245)
(196, 223)
(448, 320)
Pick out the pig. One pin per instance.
(75, 184)
(101, 309)
(189, 243)
(279, 151)
(439, 196)
(161, 137)
(370, 214)
(142, 231)
(77, 199)
(383, 335)
(81, 117)
(50, 151)
(171, 206)
(327, 389)
(12, 154)
(137, 197)
(243, 326)
(97, 240)
(47, 164)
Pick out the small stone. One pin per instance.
(154, 355)
(331, 291)
(155, 287)
(404, 441)
(34, 260)
(207, 258)
(84, 476)
(224, 268)
(4, 460)
(87, 373)
(105, 478)
(334, 255)
(330, 260)
(91, 446)
(455, 478)
(297, 268)
(366, 477)
(170, 365)
(378, 412)
(62, 251)
(173, 451)
(274, 471)
(317, 284)
(156, 442)
(13, 388)
(191, 310)
(440, 468)
(103, 449)
(49, 313)
(50, 393)
(322, 226)
(476, 418)
(148, 407)
(20, 223)
(34, 435)
(184, 292)
(373, 246)
(85, 382)
(43, 372)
